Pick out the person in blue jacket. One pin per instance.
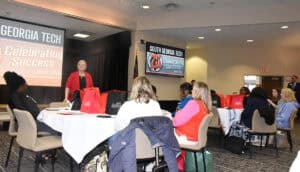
(286, 108)
(185, 94)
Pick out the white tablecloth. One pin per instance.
(228, 116)
(80, 133)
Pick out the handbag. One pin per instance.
(235, 140)
(115, 99)
(98, 163)
(91, 100)
(234, 144)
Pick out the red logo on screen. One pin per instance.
(155, 62)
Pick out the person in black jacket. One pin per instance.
(19, 99)
(295, 86)
(256, 100)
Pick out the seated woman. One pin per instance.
(188, 119)
(19, 99)
(256, 100)
(185, 94)
(276, 95)
(286, 108)
(142, 103)
(246, 92)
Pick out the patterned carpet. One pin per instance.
(224, 161)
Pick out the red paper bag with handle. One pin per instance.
(91, 100)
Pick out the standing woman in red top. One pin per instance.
(78, 80)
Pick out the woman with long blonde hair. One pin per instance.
(286, 108)
(188, 119)
(142, 103)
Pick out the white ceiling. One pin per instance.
(41, 16)
(240, 20)
(262, 34)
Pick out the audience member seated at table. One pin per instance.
(19, 99)
(286, 108)
(256, 100)
(78, 80)
(188, 119)
(276, 96)
(215, 99)
(185, 94)
(276, 100)
(142, 103)
(244, 91)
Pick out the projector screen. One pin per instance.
(33, 51)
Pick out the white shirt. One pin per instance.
(132, 109)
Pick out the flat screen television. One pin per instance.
(164, 60)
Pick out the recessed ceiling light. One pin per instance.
(81, 35)
(284, 27)
(218, 29)
(201, 37)
(250, 40)
(145, 6)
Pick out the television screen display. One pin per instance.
(164, 60)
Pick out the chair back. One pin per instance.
(58, 104)
(27, 129)
(202, 131)
(260, 126)
(12, 122)
(215, 120)
(144, 148)
(292, 119)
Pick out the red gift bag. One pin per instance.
(236, 101)
(103, 101)
(223, 100)
(91, 101)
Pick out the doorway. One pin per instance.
(270, 82)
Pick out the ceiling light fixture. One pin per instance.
(284, 27)
(81, 35)
(145, 6)
(250, 40)
(201, 37)
(218, 29)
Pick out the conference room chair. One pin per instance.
(12, 132)
(261, 128)
(58, 104)
(27, 139)
(201, 143)
(215, 123)
(145, 153)
(288, 130)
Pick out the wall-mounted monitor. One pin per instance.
(164, 60)
(33, 51)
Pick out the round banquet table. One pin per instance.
(80, 132)
(228, 117)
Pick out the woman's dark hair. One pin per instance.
(13, 80)
(244, 90)
(186, 87)
(276, 99)
(258, 92)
